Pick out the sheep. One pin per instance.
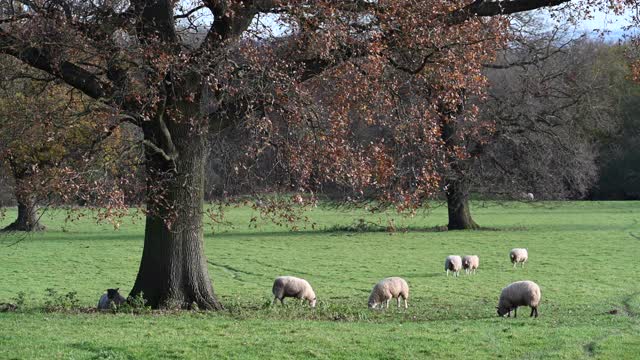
(386, 289)
(526, 196)
(518, 255)
(111, 297)
(470, 263)
(520, 293)
(453, 263)
(290, 286)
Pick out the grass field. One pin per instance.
(582, 254)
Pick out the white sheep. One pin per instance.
(470, 263)
(386, 289)
(111, 297)
(453, 263)
(520, 293)
(518, 255)
(290, 286)
(530, 197)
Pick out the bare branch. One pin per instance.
(493, 8)
(190, 12)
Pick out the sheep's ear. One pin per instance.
(116, 289)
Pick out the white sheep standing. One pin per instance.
(291, 286)
(520, 293)
(386, 289)
(470, 263)
(453, 263)
(111, 297)
(518, 255)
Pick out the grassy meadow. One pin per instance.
(582, 254)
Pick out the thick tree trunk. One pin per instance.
(173, 270)
(457, 180)
(458, 206)
(28, 219)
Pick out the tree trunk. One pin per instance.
(457, 180)
(28, 219)
(458, 206)
(173, 271)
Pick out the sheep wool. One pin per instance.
(520, 293)
(111, 297)
(453, 263)
(518, 255)
(291, 286)
(470, 263)
(386, 289)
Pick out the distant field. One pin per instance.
(582, 254)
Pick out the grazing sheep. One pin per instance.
(518, 255)
(111, 297)
(453, 263)
(520, 293)
(385, 289)
(290, 286)
(470, 263)
(526, 196)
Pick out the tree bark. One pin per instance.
(173, 271)
(458, 207)
(457, 180)
(28, 219)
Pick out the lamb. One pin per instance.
(518, 255)
(470, 263)
(111, 297)
(520, 293)
(290, 286)
(453, 263)
(385, 289)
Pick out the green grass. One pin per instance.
(581, 254)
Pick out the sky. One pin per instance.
(613, 24)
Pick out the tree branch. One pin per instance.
(70, 73)
(493, 8)
(190, 12)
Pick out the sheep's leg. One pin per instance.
(275, 301)
(533, 310)
(447, 272)
(398, 301)
(405, 303)
(387, 302)
(523, 264)
(515, 264)
(515, 312)
(536, 311)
